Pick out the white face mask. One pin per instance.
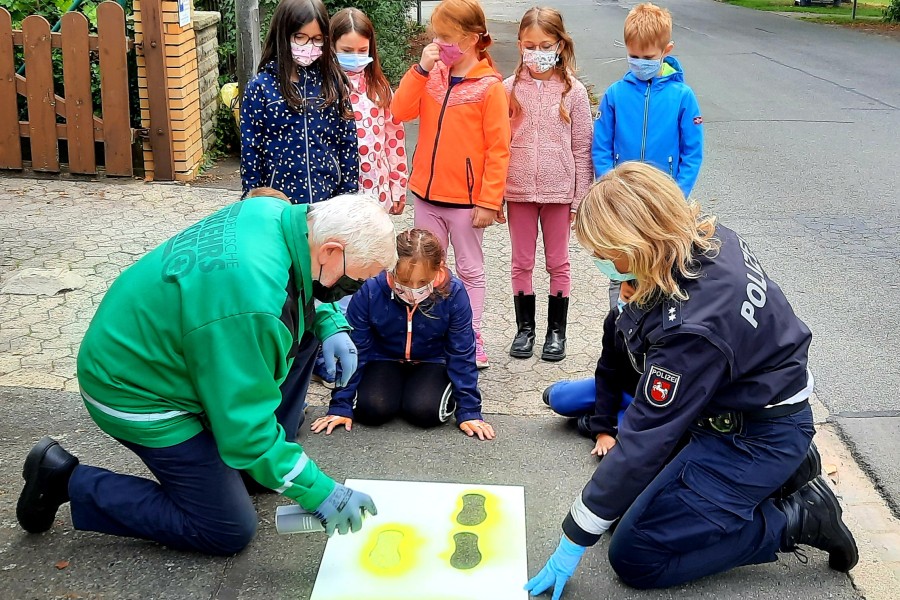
(413, 296)
(540, 61)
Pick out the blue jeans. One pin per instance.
(709, 509)
(576, 398)
(199, 502)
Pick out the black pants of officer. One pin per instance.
(709, 509)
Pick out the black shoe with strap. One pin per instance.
(814, 519)
(557, 319)
(523, 344)
(47, 470)
(809, 469)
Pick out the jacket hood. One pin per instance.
(296, 236)
(677, 75)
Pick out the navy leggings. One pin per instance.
(200, 503)
(709, 510)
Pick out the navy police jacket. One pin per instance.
(309, 154)
(437, 331)
(613, 376)
(734, 345)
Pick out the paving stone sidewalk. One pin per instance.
(99, 229)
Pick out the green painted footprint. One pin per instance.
(467, 555)
(386, 553)
(472, 512)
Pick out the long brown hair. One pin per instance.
(350, 20)
(464, 17)
(290, 16)
(420, 246)
(549, 21)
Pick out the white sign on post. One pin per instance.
(184, 12)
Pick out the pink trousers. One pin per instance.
(454, 226)
(523, 218)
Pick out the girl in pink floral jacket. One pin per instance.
(550, 171)
(382, 155)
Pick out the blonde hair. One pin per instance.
(549, 21)
(648, 24)
(640, 212)
(464, 17)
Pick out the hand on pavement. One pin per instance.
(559, 568)
(331, 422)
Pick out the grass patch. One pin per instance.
(868, 8)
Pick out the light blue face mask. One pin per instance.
(645, 69)
(621, 305)
(609, 269)
(353, 62)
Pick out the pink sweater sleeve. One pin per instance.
(582, 138)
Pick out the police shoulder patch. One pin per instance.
(660, 386)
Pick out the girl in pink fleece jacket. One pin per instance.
(550, 171)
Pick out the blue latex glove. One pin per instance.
(559, 568)
(343, 510)
(339, 347)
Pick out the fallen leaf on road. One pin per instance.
(830, 468)
(62, 564)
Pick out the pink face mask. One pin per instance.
(450, 53)
(306, 54)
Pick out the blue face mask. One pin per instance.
(353, 62)
(609, 269)
(621, 304)
(645, 69)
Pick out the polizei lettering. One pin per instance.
(210, 245)
(756, 287)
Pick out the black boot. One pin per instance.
(809, 469)
(557, 317)
(523, 344)
(47, 470)
(814, 519)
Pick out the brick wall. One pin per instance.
(205, 26)
(183, 88)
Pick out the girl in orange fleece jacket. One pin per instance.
(460, 163)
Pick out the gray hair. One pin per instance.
(359, 223)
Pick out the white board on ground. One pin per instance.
(430, 541)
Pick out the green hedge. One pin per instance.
(892, 12)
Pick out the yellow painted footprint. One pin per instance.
(472, 512)
(391, 550)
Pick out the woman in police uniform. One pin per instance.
(723, 362)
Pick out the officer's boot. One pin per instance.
(809, 469)
(557, 317)
(523, 344)
(48, 468)
(814, 519)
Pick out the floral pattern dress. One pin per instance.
(382, 154)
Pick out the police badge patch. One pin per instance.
(660, 386)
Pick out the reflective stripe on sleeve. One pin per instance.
(588, 521)
(298, 468)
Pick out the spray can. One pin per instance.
(293, 519)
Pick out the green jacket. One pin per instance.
(201, 332)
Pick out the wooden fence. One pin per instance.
(52, 118)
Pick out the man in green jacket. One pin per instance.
(199, 359)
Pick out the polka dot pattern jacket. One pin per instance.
(310, 155)
(382, 154)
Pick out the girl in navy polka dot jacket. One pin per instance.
(298, 134)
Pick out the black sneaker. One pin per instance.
(546, 395)
(47, 470)
(809, 469)
(814, 519)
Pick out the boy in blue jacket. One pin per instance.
(651, 114)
